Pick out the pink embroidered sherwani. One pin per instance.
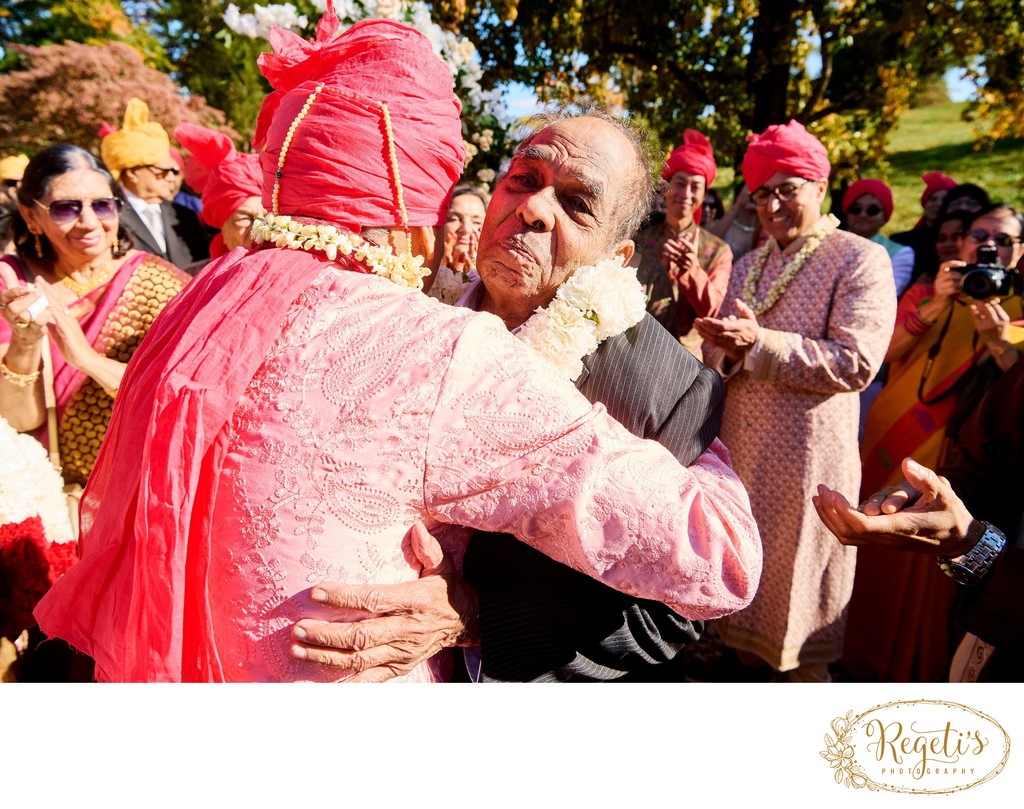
(790, 422)
(362, 408)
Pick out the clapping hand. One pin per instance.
(23, 307)
(734, 335)
(679, 256)
(460, 258)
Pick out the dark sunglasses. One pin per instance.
(11, 183)
(870, 210)
(63, 211)
(161, 173)
(1001, 239)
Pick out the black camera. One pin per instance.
(988, 278)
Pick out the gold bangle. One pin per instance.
(21, 380)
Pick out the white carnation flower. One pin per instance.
(30, 486)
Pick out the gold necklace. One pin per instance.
(83, 288)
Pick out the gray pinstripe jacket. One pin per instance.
(541, 621)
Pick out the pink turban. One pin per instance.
(935, 181)
(789, 149)
(695, 156)
(223, 177)
(874, 187)
(337, 165)
(177, 158)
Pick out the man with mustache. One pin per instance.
(564, 204)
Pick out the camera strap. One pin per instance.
(933, 352)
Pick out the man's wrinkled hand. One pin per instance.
(935, 522)
(410, 622)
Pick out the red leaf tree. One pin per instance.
(61, 93)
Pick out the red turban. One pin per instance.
(224, 178)
(789, 149)
(695, 156)
(935, 181)
(874, 187)
(337, 166)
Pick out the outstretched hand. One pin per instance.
(922, 515)
(410, 622)
(734, 335)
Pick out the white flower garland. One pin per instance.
(283, 231)
(30, 486)
(822, 228)
(597, 302)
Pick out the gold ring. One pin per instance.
(22, 324)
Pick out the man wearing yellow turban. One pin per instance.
(11, 170)
(139, 157)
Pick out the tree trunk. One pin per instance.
(768, 68)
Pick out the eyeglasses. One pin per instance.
(63, 211)
(783, 192)
(1001, 239)
(870, 210)
(161, 173)
(11, 183)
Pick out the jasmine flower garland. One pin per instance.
(816, 235)
(283, 231)
(596, 303)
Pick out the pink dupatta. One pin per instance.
(137, 601)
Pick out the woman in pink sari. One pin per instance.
(76, 282)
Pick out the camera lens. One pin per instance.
(983, 282)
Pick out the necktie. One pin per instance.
(154, 221)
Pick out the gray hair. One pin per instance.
(637, 198)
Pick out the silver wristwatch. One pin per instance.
(973, 566)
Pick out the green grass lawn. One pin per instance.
(936, 138)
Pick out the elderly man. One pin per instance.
(563, 204)
(139, 157)
(299, 408)
(230, 182)
(805, 326)
(684, 267)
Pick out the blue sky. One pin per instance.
(522, 101)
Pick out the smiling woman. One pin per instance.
(75, 278)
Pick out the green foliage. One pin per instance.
(209, 61)
(730, 67)
(91, 22)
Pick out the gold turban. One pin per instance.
(12, 168)
(139, 142)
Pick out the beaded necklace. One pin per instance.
(822, 228)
